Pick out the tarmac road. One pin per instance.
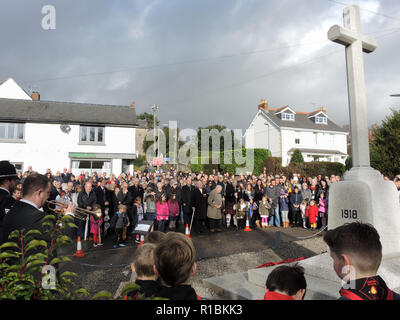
(104, 268)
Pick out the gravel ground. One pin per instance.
(109, 268)
(250, 260)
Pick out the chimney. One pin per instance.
(322, 109)
(263, 105)
(35, 96)
(132, 106)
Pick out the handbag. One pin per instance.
(124, 230)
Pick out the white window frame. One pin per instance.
(287, 116)
(15, 138)
(321, 120)
(96, 136)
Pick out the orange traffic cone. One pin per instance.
(141, 240)
(247, 229)
(79, 252)
(187, 232)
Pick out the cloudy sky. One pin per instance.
(202, 61)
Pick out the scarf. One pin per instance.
(272, 295)
(373, 288)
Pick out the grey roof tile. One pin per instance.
(302, 121)
(14, 110)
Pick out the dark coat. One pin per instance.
(136, 191)
(125, 199)
(85, 200)
(181, 292)
(6, 203)
(258, 194)
(66, 177)
(273, 192)
(296, 198)
(147, 287)
(101, 196)
(187, 199)
(24, 216)
(199, 202)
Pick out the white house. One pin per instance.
(57, 135)
(284, 130)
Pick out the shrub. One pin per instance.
(297, 157)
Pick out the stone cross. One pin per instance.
(356, 43)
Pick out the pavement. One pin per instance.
(217, 254)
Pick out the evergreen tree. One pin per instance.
(297, 157)
(385, 146)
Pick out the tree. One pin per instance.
(149, 118)
(218, 131)
(147, 144)
(297, 157)
(385, 145)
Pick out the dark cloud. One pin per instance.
(204, 62)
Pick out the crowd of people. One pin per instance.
(205, 202)
(166, 262)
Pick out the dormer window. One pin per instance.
(287, 116)
(321, 120)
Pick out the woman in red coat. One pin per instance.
(312, 214)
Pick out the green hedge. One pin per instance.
(274, 166)
(260, 155)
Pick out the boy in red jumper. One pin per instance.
(312, 214)
(286, 283)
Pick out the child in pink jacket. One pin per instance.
(162, 212)
(95, 226)
(174, 211)
(323, 210)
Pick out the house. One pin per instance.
(57, 135)
(284, 130)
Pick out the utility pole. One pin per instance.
(155, 109)
(176, 148)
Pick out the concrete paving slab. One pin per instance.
(235, 287)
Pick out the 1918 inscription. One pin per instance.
(349, 214)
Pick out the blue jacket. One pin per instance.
(296, 198)
(284, 203)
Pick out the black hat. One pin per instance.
(7, 170)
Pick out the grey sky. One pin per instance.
(203, 62)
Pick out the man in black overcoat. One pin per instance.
(200, 204)
(8, 181)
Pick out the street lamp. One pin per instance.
(155, 109)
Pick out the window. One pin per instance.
(12, 132)
(321, 120)
(297, 141)
(89, 165)
(19, 166)
(91, 135)
(288, 116)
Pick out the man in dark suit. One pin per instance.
(86, 200)
(8, 181)
(187, 201)
(66, 175)
(200, 205)
(102, 196)
(25, 214)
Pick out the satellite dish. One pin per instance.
(65, 128)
